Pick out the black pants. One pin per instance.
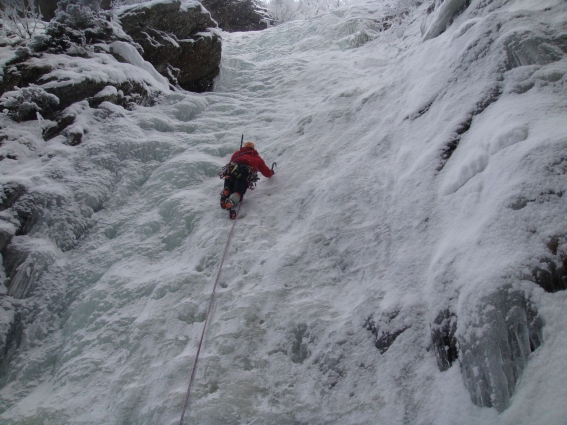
(238, 181)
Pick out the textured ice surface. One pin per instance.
(495, 348)
(444, 12)
(413, 178)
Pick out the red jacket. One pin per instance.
(252, 158)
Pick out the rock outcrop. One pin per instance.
(238, 15)
(178, 39)
(47, 8)
(66, 65)
(231, 15)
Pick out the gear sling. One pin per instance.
(238, 177)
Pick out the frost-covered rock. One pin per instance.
(9, 332)
(237, 15)
(25, 103)
(444, 11)
(178, 38)
(73, 79)
(388, 327)
(445, 344)
(26, 260)
(72, 61)
(551, 274)
(22, 74)
(11, 192)
(52, 214)
(108, 94)
(50, 84)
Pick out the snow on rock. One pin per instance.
(131, 55)
(443, 13)
(75, 79)
(238, 15)
(25, 103)
(179, 38)
(183, 4)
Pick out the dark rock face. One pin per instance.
(177, 41)
(23, 74)
(385, 329)
(299, 348)
(551, 274)
(444, 341)
(237, 15)
(47, 8)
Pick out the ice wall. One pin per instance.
(405, 265)
(441, 15)
(493, 334)
(495, 348)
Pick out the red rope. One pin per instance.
(207, 318)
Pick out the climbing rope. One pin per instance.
(207, 317)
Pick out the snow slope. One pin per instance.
(374, 218)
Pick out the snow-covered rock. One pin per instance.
(179, 38)
(238, 15)
(442, 14)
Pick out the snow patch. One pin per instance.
(131, 55)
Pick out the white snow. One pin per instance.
(363, 218)
(131, 55)
(441, 17)
(102, 67)
(185, 5)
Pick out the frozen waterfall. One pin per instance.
(391, 271)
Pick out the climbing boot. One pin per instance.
(224, 195)
(232, 201)
(232, 213)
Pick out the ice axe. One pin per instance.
(274, 165)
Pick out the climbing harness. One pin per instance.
(234, 170)
(226, 248)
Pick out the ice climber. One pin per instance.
(240, 174)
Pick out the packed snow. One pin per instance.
(417, 174)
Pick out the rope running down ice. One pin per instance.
(207, 317)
